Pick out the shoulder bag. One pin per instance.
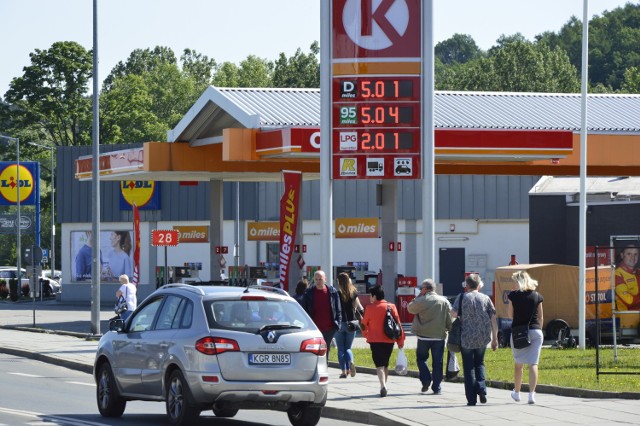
(454, 342)
(520, 333)
(121, 304)
(391, 327)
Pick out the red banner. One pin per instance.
(289, 212)
(136, 250)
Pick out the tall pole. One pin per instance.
(326, 184)
(95, 185)
(428, 143)
(582, 250)
(53, 207)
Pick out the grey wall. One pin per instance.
(457, 197)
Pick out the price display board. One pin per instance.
(376, 90)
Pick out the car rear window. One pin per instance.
(251, 315)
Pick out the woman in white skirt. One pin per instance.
(526, 308)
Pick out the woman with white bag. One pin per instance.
(128, 292)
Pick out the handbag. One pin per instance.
(454, 342)
(353, 325)
(391, 327)
(121, 304)
(520, 336)
(401, 363)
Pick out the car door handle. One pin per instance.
(138, 345)
(164, 345)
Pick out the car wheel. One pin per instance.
(554, 328)
(225, 412)
(180, 408)
(110, 403)
(304, 415)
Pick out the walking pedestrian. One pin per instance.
(431, 322)
(373, 330)
(322, 303)
(350, 304)
(525, 308)
(479, 327)
(129, 292)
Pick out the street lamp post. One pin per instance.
(18, 217)
(53, 209)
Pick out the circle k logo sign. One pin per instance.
(375, 27)
(9, 183)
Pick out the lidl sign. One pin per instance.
(144, 193)
(26, 177)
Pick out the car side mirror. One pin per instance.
(116, 325)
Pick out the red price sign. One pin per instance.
(164, 238)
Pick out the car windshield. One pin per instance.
(257, 315)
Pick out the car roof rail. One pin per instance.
(189, 287)
(267, 288)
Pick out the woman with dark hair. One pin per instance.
(373, 330)
(344, 337)
(479, 327)
(119, 258)
(301, 287)
(525, 308)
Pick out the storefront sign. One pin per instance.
(29, 183)
(367, 227)
(193, 234)
(263, 231)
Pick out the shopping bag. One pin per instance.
(401, 363)
(453, 368)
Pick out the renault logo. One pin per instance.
(271, 337)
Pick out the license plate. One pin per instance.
(269, 359)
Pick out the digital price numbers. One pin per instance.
(376, 126)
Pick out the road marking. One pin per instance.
(26, 375)
(47, 419)
(82, 383)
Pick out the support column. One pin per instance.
(215, 226)
(389, 232)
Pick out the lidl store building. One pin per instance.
(217, 181)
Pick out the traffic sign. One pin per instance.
(165, 238)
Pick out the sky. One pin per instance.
(230, 30)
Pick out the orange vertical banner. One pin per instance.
(289, 212)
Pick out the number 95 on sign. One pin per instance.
(164, 238)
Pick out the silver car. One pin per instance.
(219, 348)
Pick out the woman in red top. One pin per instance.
(373, 331)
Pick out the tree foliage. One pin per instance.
(49, 100)
(459, 49)
(300, 70)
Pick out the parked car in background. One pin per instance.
(49, 286)
(9, 272)
(214, 347)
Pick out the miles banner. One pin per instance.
(289, 212)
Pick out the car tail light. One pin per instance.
(250, 297)
(216, 345)
(317, 346)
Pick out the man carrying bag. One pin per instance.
(431, 322)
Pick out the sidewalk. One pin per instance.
(352, 399)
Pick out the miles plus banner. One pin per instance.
(29, 183)
(289, 212)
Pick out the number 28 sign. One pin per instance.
(164, 238)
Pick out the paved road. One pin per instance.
(352, 399)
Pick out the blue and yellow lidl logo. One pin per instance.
(9, 183)
(144, 193)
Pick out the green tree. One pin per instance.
(198, 67)
(519, 66)
(631, 83)
(226, 75)
(300, 70)
(459, 49)
(49, 100)
(139, 62)
(613, 44)
(255, 72)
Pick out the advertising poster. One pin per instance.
(627, 251)
(116, 255)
